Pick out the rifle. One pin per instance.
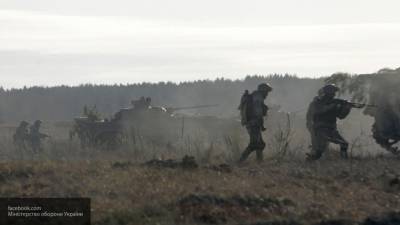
(353, 104)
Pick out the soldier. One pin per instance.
(21, 135)
(253, 110)
(35, 137)
(322, 116)
(148, 102)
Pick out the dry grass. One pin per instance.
(124, 191)
(136, 194)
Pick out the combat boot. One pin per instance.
(343, 154)
(245, 155)
(310, 157)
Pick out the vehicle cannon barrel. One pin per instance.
(173, 109)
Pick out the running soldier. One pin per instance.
(252, 111)
(322, 116)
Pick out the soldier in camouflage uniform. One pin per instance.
(253, 111)
(35, 136)
(322, 116)
(21, 135)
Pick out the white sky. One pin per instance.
(53, 42)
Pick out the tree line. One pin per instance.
(63, 103)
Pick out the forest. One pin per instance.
(63, 103)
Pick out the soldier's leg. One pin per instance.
(245, 154)
(252, 144)
(336, 138)
(319, 148)
(260, 145)
(318, 145)
(35, 146)
(260, 155)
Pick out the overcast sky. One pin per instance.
(53, 42)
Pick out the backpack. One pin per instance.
(246, 107)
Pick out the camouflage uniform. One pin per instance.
(148, 102)
(322, 116)
(35, 136)
(21, 135)
(255, 123)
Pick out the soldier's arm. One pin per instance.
(344, 111)
(259, 107)
(324, 108)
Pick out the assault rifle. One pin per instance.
(353, 104)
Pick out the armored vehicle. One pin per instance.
(158, 125)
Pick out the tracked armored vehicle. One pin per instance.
(157, 125)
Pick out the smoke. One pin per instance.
(381, 90)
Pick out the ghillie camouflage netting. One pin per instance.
(381, 90)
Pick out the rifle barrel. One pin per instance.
(355, 104)
(362, 105)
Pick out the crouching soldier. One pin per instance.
(252, 111)
(322, 116)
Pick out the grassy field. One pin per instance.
(330, 191)
(284, 190)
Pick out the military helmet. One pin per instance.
(264, 87)
(330, 89)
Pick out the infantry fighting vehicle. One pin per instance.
(158, 125)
